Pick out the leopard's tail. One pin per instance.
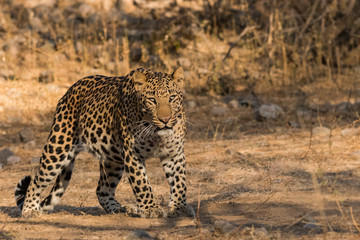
(20, 191)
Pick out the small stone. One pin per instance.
(260, 232)
(13, 160)
(270, 111)
(321, 131)
(138, 235)
(46, 76)
(26, 135)
(5, 154)
(350, 131)
(4, 140)
(231, 152)
(249, 101)
(35, 160)
(1, 166)
(222, 227)
(29, 145)
(234, 103)
(218, 110)
(343, 107)
(294, 124)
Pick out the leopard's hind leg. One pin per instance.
(57, 191)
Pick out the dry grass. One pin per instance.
(261, 185)
(270, 181)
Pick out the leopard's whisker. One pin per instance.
(142, 132)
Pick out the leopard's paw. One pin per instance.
(181, 211)
(30, 213)
(154, 211)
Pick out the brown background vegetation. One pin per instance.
(267, 178)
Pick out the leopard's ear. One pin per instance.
(139, 79)
(178, 76)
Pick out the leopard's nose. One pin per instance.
(165, 119)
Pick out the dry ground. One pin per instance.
(268, 181)
(265, 179)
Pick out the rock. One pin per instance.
(5, 154)
(350, 131)
(270, 111)
(249, 101)
(321, 131)
(26, 135)
(231, 152)
(1, 166)
(138, 235)
(13, 160)
(35, 160)
(218, 110)
(343, 107)
(47, 76)
(4, 140)
(260, 232)
(15, 138)
(29, 145)
(234, 103)
(222, 227)
(294, 124)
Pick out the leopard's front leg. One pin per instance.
(136, 172)
(174, 167)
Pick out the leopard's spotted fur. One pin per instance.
(123, 121)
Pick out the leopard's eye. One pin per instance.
(172, 97)
(153, 100)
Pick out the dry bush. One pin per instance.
(227, 47)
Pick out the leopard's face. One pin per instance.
(161, 101)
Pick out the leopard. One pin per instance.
(122, 121)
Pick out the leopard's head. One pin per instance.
(161, 98)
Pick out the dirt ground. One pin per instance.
(248, 178)
(264, 180)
